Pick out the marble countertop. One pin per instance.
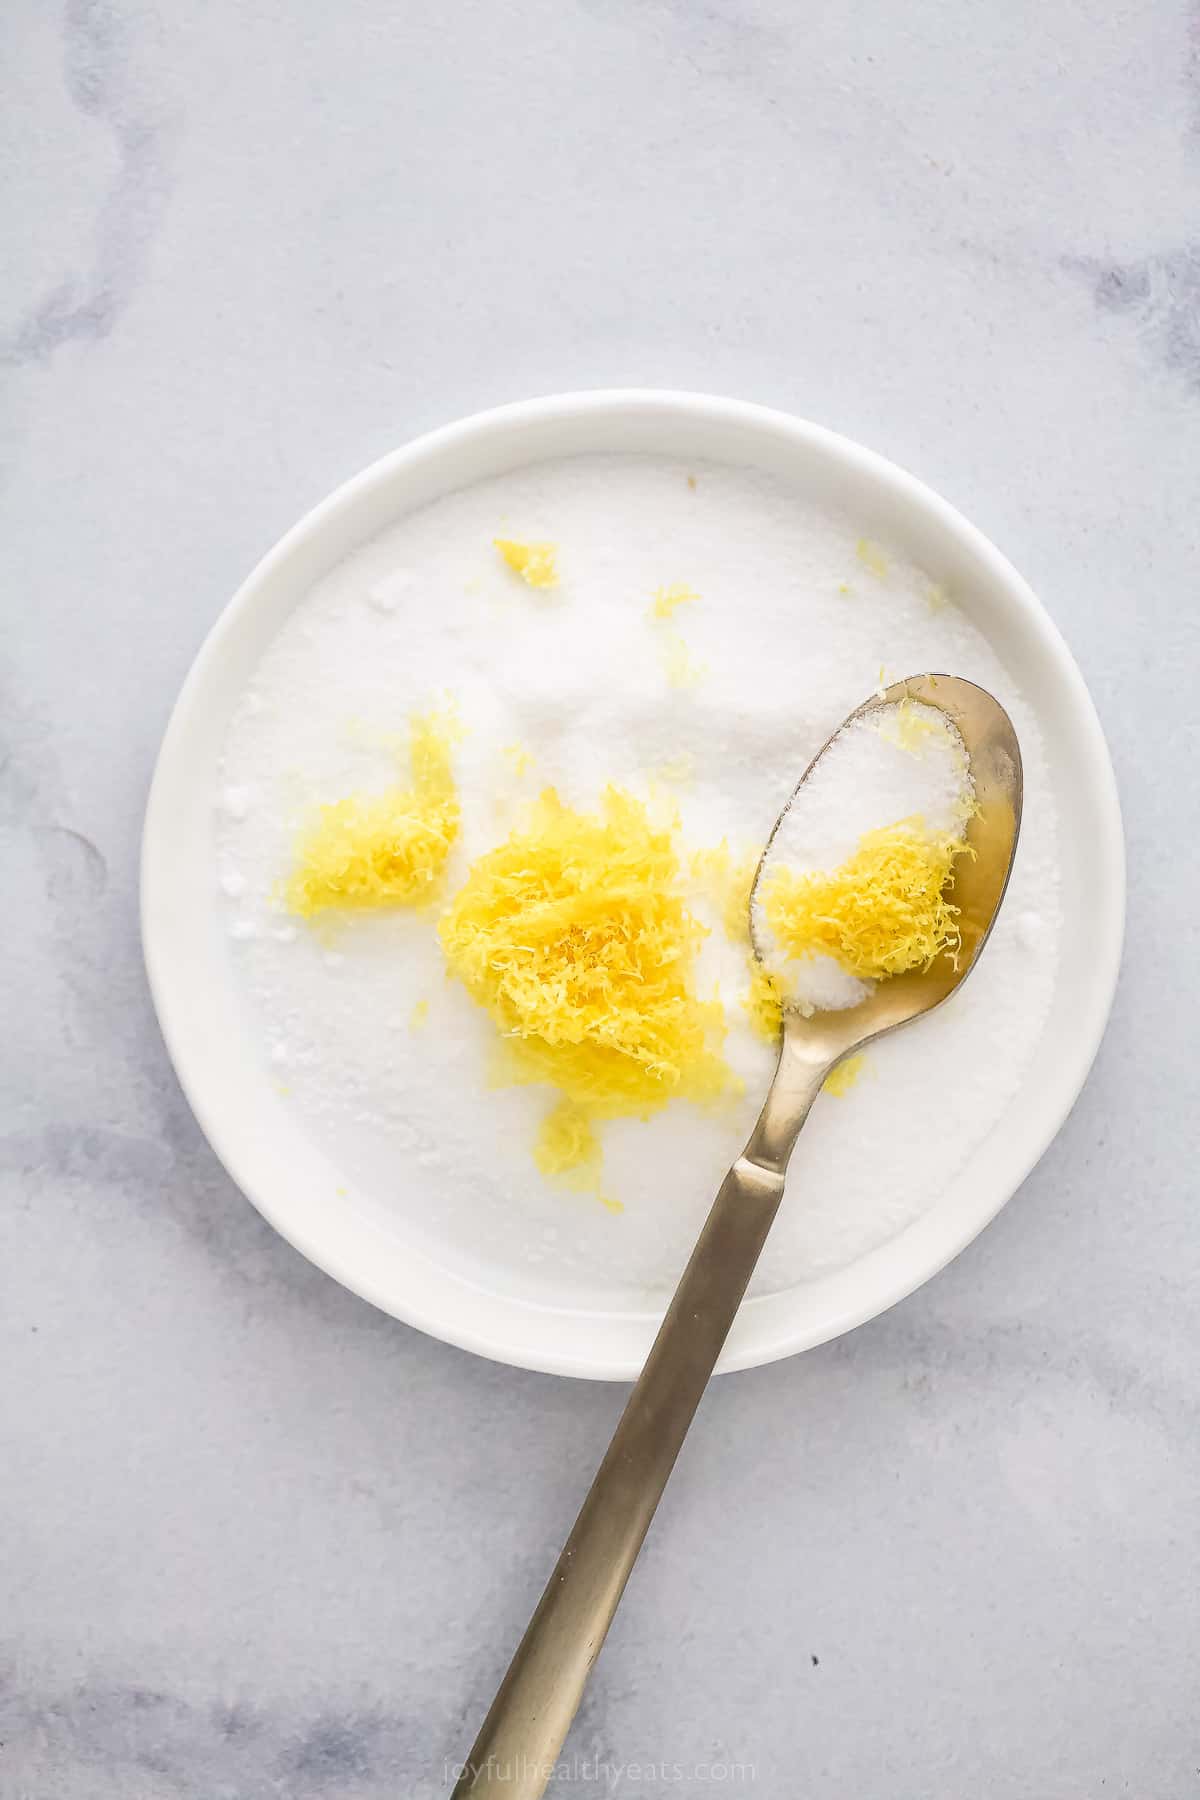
(257, 1540)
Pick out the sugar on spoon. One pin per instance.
(518, 1743)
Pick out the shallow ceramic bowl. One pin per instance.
(263, 1145)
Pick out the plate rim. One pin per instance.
(771, 1340)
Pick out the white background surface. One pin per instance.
(255, 1539)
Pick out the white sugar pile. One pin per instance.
(720, 706)
(905, 761)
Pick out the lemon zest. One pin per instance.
(682, 669)
(912, 727)
(535, 563)
(387, 849)
(726, 881)
(872, 558)
(519, 758)
(667, 600)
(763, 1002)
(567, 1146)
(882, 912)
(575, 936)
(839, 1081)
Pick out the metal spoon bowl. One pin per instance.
(825, 1038)
(518, 1744)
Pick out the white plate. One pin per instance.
(263, 1146)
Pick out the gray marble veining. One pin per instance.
(255, 1539)
(102, 78)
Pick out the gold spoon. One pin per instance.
(518, 1744)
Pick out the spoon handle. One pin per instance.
(518, 1744)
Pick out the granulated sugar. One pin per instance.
(785, 629)
(895, 762)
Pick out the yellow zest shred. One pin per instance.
(536, 564)
(683, 671)
(882, 912)
(912, 727)
(568, 1150)
(576, 937)
(872, 558)
(519, 758)
(567, 1145)
(839, 1081)
(388, 849)
(936, 597)
(727, 881)
(418, 1018)
(668, 599)
(763, 1002)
